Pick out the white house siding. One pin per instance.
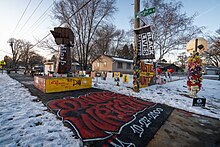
(123, 69)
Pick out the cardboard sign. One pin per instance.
(64, 64)
(116, 75)
(125, 78)
(199, 102)
(145, 43)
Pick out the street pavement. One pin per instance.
(177, 128)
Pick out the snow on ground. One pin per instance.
(172, 94)
(25, 122)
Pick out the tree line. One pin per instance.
(95, 34)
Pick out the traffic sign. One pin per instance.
(146, 12)
(2, 63)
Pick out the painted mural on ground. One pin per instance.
(110, 119)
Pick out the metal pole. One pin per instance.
(136, 74)
(13, 55)
(196, 45)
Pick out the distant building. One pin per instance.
(106, 63)
(166, 66)
(211, 70)
(75, 66)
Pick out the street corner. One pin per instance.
(184, 128)
(107, 118)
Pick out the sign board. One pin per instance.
(146, 12)
(116, 75)
(48, 67)
(64, 62)
(145, 43)
(109, 75)
(202, 45)
(2, 63)
(51, 85)
(199, 102)
(125, 78)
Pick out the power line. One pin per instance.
(21, 17)
(6, 52)
(209, 10)
(64, 21)
(39, 23)
(31, 15)
(38, 20)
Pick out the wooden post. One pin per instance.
(136, 75)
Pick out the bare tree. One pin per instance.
(16, 46)
(26, 51)
(126, 52)
(212, 55)
(84, 23)
(35, 59)
(182, 59)
(171, 28)
(48, 44)
(107, 40)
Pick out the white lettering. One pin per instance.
(122, 144)
(145, 121)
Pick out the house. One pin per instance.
(105, 63)
(210, 70)
(166, 66)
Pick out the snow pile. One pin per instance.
(25, 122)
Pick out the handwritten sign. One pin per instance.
(145, 43)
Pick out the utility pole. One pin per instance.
(136, 75)
(11, 43)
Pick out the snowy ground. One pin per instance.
(25, 122)
(172, 94)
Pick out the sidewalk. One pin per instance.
(180, 129)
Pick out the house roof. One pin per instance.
(122, 60)
(166, 65)
(116, 59)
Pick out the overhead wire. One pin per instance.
(31, 15)
(38, 21)
(6, 52)
(20, 18)
(64, 21)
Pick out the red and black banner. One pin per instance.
(110, 119)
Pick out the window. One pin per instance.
(105, 64)
(119, 64)
(128, 65)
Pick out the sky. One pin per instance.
(35, 25)
(18, 124)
